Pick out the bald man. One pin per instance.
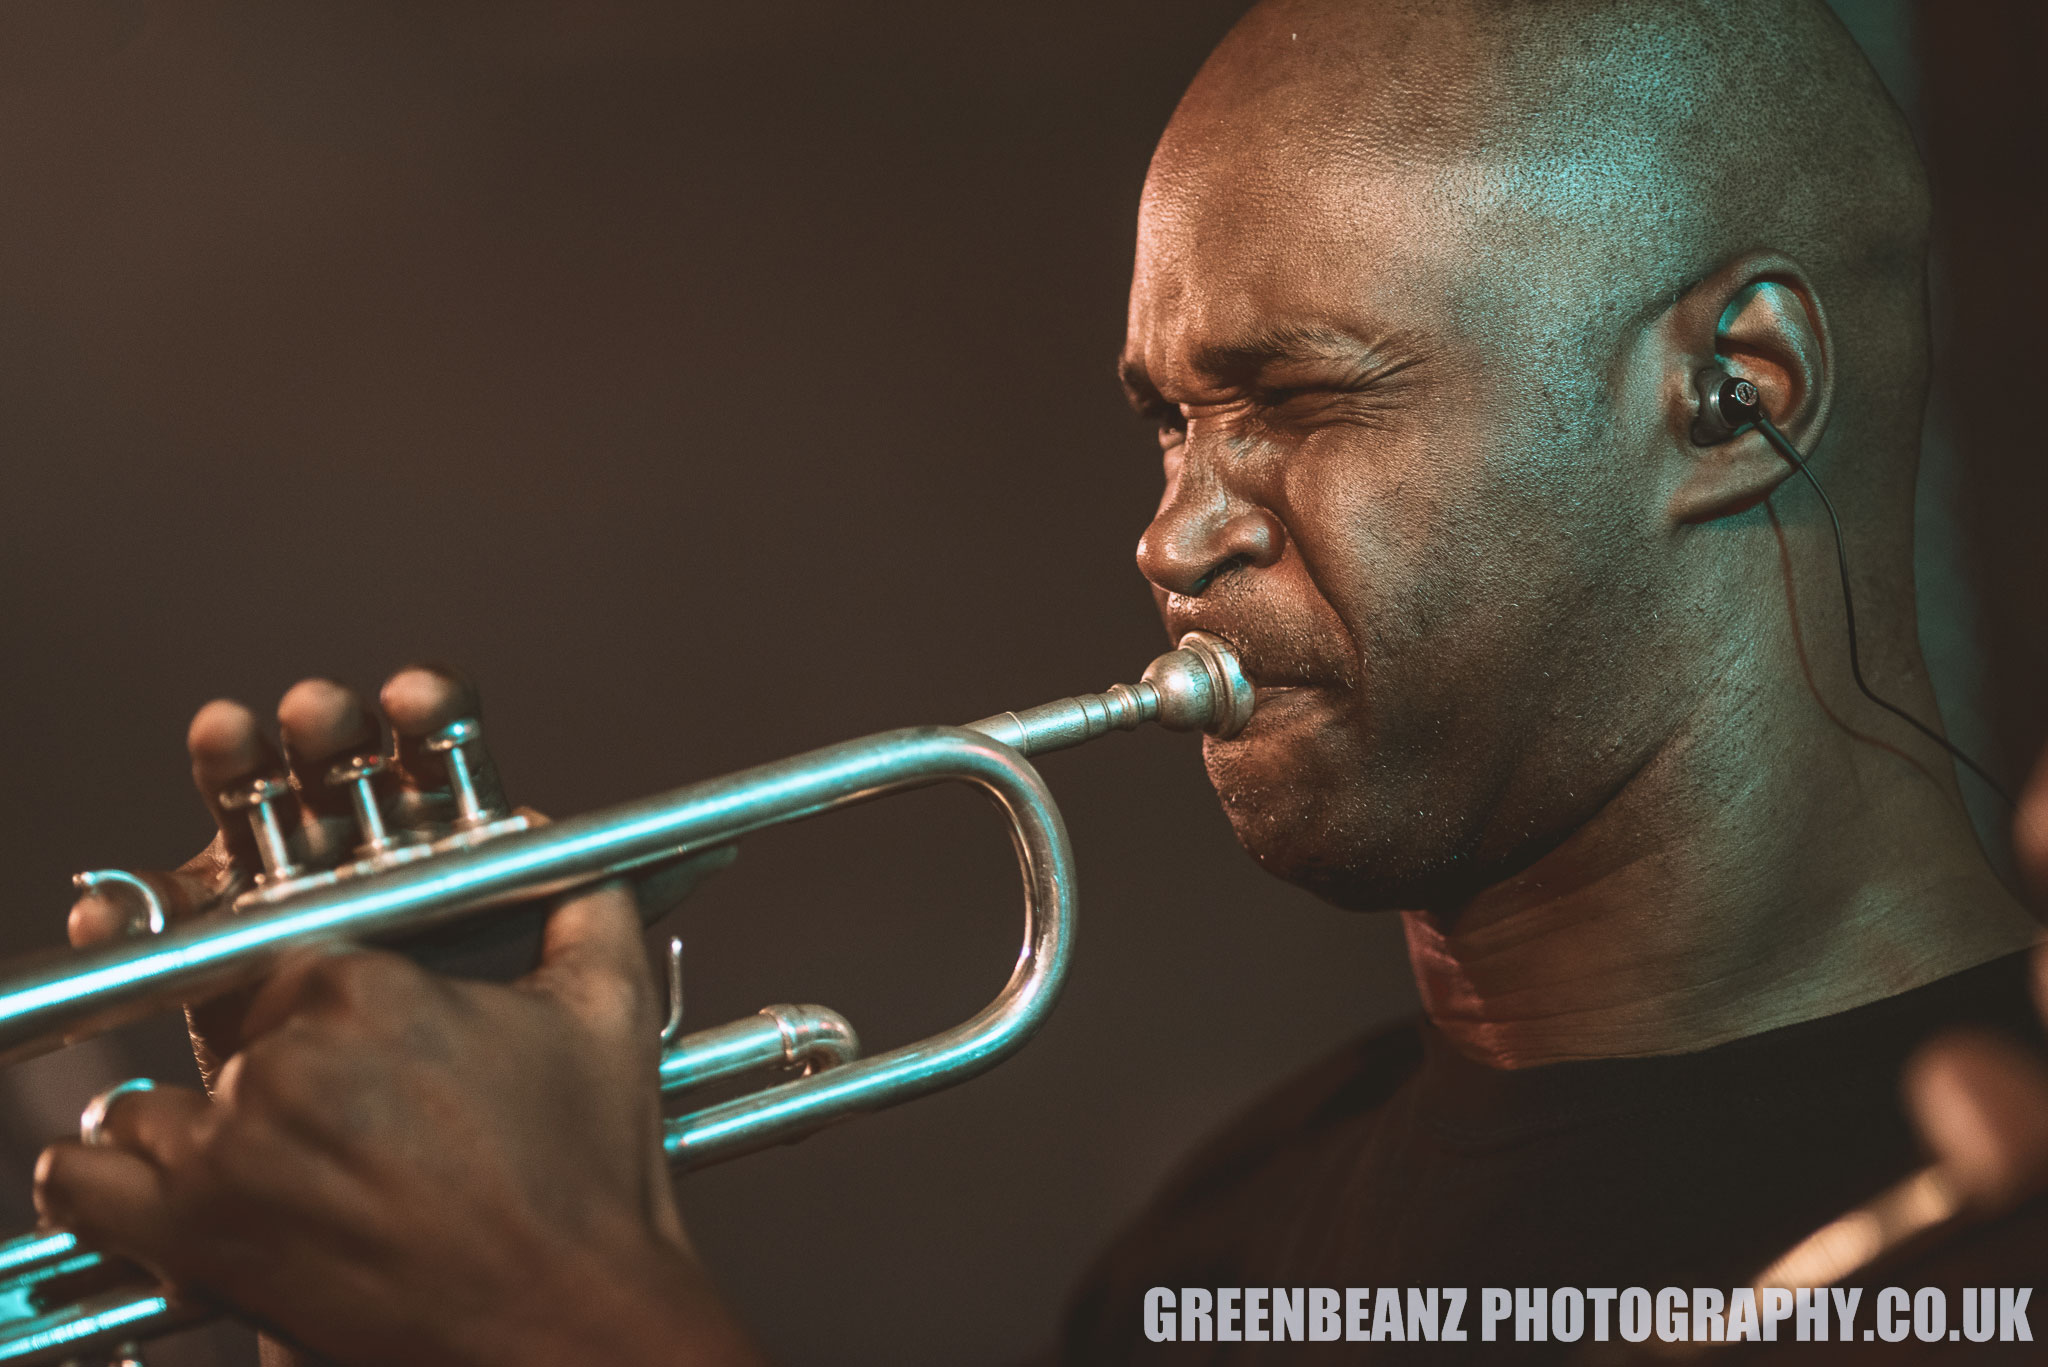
(1421, 297)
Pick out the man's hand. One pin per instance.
(395, 1166)
(1980, 1101)
(320, 724)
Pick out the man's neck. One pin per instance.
(1850, 877)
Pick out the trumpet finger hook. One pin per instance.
(133, 895)
(674, 1025)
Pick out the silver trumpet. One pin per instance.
(60, 1301)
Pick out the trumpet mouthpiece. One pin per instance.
(1199, 687)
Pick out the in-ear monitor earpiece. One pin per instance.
(1727, 405)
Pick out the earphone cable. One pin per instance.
(1785, 448)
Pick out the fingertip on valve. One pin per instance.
(225, 736)
(422, 698)
(319, 715)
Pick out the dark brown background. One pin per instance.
(712, 385)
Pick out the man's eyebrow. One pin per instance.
(1244, 359)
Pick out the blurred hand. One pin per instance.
(396, 1166)
(1979, 1100)
(320, 724)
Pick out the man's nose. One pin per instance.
(1203, 530)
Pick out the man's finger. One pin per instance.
(420, 700)
(323, 723)
(164, 1125)
(229, 748)
(593, 961)
(370, 984)
(109, 1197)
(95, 919)
(1981, 1104)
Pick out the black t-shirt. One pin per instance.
(1400, 1163)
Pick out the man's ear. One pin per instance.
(1759, 319)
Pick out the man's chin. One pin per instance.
(1314, 868)
(1298, 820)
(1307, 819)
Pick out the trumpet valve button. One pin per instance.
(453, 743)
(358, 775)
(259, 799)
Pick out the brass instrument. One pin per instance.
(59, 1301)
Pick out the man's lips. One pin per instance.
(1278, 669)
(1268, 667)
(1271, 700)
(1282, 708)
(1271, 675)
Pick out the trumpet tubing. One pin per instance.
(59, 1300)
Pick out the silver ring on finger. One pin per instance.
(92, 1121)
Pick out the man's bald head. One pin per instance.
(1618, 152)
(1498, 237)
